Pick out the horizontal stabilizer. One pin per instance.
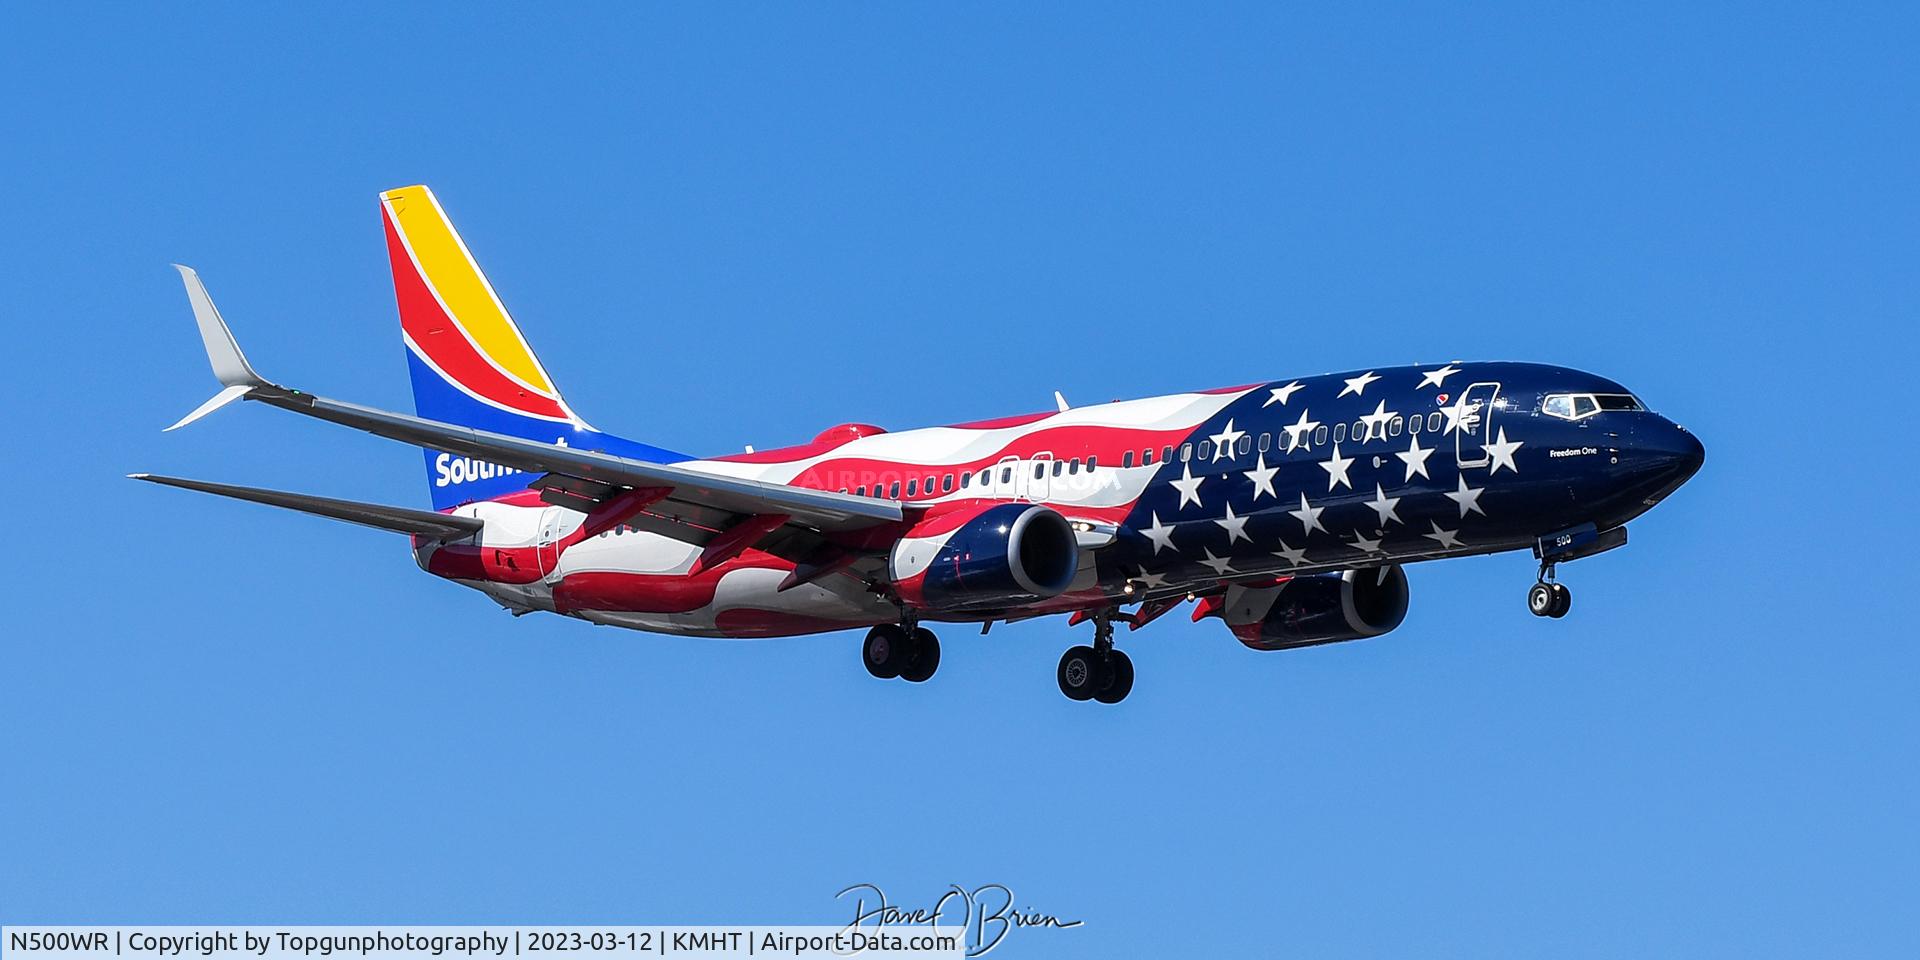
(398, 519)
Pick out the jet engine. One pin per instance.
(985, 557)
(1321, 608)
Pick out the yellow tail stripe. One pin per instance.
(453, 275)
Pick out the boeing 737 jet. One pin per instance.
(1287, 509)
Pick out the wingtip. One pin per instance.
(139, 476)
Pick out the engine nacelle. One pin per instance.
(1322, 608)
(985, 557)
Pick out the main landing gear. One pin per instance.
(1098, 672)
(1549, 597)
(909, 652)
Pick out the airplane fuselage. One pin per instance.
(1172, 495)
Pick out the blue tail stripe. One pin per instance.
(453, 479)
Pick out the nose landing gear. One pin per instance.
(1098, 672)
(1549, 597)
(912, 654)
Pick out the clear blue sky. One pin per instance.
(724, 226)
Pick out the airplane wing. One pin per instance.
(397, 519)
(589, 477)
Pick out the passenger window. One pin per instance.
(1040, 470)
(1091, 463)
(1244, 447)
(1266, 442)
(912, 485)
(1006, 476)
(1059, 465)
(1206, 450)
(1186, 452)
(1360, 432)
(861, 490)
(1146, 457)
(1414, 423)
(1393, 427)
(966, 477)
(1433, 422)
(1340, 432)
(1126, 460)
(895, 492)
(946, 483)
(1320, 434)
(1073, 466)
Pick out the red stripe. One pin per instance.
(422, 317)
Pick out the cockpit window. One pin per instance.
(1579, 406)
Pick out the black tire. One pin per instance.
(1120, 678)
(1540, 600)
(923, 656)
(1562, 601)
(1079, 673)
(885, 651)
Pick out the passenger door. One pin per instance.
(1476, 424)
(1006, 478)
(1041, 484)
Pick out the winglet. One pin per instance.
(218, 400)
(229, 364)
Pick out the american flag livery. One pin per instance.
(1287, 509)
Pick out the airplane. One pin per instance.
(1287, 509)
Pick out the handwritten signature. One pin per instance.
(987, 913)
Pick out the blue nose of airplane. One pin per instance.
(1664, 456)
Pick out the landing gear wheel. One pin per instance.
(1119, 679)
(1079, 673)
(1562, 600)
(886, 651)
(1540, 599)
(923, 656)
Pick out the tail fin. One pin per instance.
(469, 363)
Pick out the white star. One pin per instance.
(1459, 417)
(1280, 394)
(1161, 535)
(1447, 539)
(1309, 516)
(1262, 477)
(1221, 565)
(1377, 421)
(1298, 433)
(1294, 556)
(1236, 527)
(1224, 440)
(1416, 459)
(1358, 385)
(1366, 544)
(1435, 378)
(1468, 498)
(1189, 487)
(1387, 507)
(1151, 581)
(1501, 451)
(1336, 469)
